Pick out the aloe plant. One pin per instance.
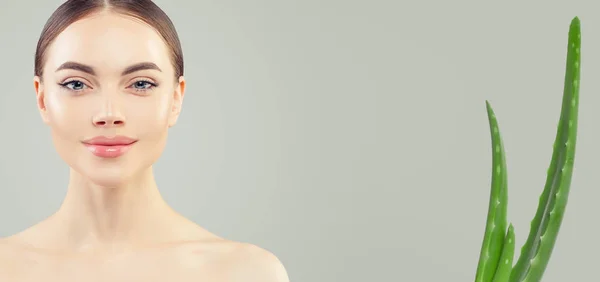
(498, 247)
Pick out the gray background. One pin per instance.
(350, 138)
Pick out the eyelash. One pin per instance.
(152, 85)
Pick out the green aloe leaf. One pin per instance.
(535, 253)
(496, 225)
(506, 260)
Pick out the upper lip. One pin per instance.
(110, 141)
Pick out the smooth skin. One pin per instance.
(113, 224)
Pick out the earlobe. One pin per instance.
(177, 101)
(40, 98)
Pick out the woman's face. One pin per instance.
(105, 76)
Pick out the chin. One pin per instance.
(111, 174)
(109, 178)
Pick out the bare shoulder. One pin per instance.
(250, 263)
(8, 256)
(215, 258)
(238, 261)
(6, 247)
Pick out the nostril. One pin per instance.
(109, 122)
(103, 123)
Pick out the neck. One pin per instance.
(96, 217)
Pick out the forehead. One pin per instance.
(109, 42)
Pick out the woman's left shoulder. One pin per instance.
(249, 262)
(219, 259)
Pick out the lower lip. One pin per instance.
(114, 151)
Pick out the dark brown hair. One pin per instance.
(74, 10)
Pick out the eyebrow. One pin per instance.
(90, 70)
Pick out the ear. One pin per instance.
(40, 98)
(177, 101)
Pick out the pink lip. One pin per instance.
(109, 147)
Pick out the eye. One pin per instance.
(74, 85)
(143, 85)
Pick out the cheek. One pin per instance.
(68, 118)
(147, 119)
(152, 111)
(148, 116)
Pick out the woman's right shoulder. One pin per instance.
(5, 242)
(11, 247)
(11, 259)
(8, 247)
(8, 253)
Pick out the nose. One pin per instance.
(109, 120)
(109, 116)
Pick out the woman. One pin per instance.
(109, 84)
